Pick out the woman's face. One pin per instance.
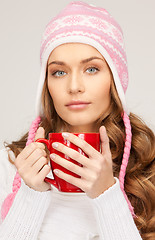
(78, 72)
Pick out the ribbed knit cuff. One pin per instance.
(25, 216)
(113, 215)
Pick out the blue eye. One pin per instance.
(59, 75)
(62, 73)
(94, 68)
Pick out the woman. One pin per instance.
(82, 58)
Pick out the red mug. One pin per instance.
(92, 138)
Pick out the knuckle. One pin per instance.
(44, 153)
(98, 168)
(38, 151)
(102, 160)
(40, 145)
(47, 168)
(72, 167)
(76, 155)
(44, 160)
(32, 146)
(94, 177)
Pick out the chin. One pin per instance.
(78, 122)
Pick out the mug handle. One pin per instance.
(51, 181)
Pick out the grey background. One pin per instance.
(21, 26)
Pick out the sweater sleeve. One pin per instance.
(27, 212)
(113, 215)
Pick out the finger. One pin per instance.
(40, 133)
(31, 147)
(79, 170)
(40, 178)
(27, 151)
(43, 172)
(81, 143)
(39, 165)
(69, 152)
(78, 182)
(35, 156)
(105, 146)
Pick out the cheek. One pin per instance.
(54, 91)
(106, 92)
(102, 92)
(57, 96)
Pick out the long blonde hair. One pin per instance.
(140, 172)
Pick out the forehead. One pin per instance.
(70, 50)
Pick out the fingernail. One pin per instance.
(56, 171)
(54, 145)
(52, 156)
(65, 135)
(39, 129)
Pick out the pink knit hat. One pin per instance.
(84, 23)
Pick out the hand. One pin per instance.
(32, 166)
(96, 173)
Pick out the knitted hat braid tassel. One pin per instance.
(17, 179)
(126, 155)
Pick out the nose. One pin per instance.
(75, 83)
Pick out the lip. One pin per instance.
(77, 102)
(78, 106)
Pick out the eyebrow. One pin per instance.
(82, 61)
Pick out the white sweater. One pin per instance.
(55, 215)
